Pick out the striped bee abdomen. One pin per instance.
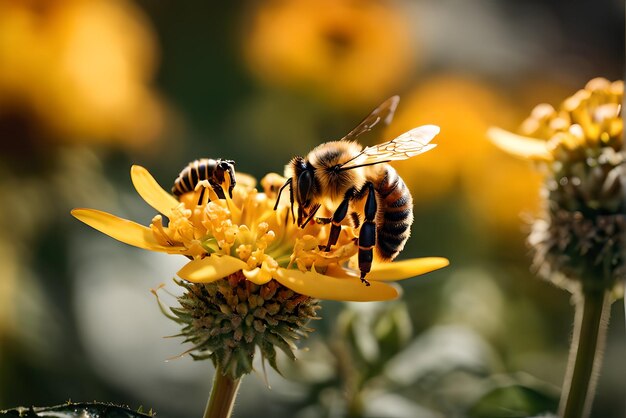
(207, 169)
(395, 214)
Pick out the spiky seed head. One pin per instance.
(580, 237)
(228, 319)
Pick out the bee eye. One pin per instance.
(305, 186)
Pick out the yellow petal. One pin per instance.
(210, 269)
(151, 191)
(320, 286)
(519, 146)
(397, 270)
(400, 270)
(121, 229)
(258, 275)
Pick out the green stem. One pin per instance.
(585, 358)
(223, 394)
(355, 406)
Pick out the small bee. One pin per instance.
(207, 169)
(341, 174)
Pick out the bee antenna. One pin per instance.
(287, 183)
(361, 165)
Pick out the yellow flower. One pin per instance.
(580, 235)
(591, 118)
(352, 53)
(245, 234)
(579, 240)
(80, 69)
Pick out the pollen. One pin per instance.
(247, 227)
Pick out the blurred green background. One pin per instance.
(88, 88)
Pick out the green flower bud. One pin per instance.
(227, 319)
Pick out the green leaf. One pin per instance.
(515, 400)
(392, 329)
(76, 410)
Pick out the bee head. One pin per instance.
(302, 187)
(228, 166)
(303, 177)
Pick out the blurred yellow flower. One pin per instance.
(80, 68)
(590, 118)
(349, 52)
(245, 234)
(580, 235)
(578, 241)
(496, 187)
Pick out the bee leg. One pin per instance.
(291, 200)
(338, 216)
(367, 234)
(231, 177)
(218, 189)
(201, 198)
(204, 197)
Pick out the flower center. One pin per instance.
(246, 226)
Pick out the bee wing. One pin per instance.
(383, 112)
(409, 144)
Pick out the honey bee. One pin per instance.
(341, 174)
(208, 169)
